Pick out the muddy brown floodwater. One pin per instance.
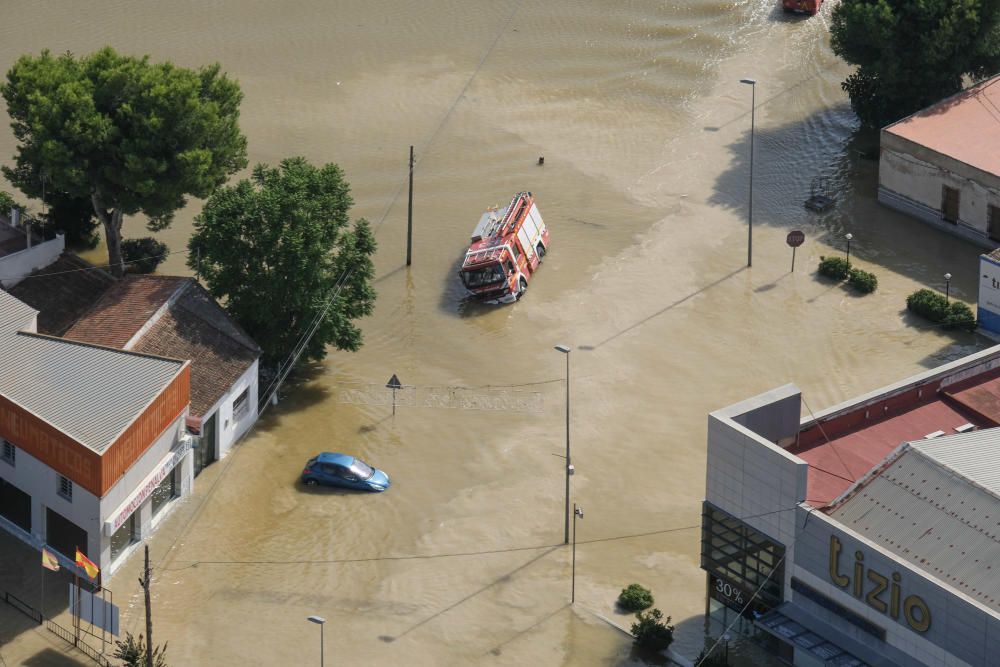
(637, 109)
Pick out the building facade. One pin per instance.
(942, 165)
(92, 440)
(865, 535)
(175, 317)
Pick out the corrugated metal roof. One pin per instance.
(974, 455)
(14, 315)
(90, 393)
(935, 508)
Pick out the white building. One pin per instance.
(21, 251)
(175, 317)
(92, 440)
(942, 164)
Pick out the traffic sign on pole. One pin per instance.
(394, 384)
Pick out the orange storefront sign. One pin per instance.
(95, 472)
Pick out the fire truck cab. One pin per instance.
(506, 248)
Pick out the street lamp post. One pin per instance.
(848, 236)
(569, 467)
(320, 621)
(726, 637)
(947, 286)
(753, 110)
(577, 512)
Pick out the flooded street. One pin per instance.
(645, 129)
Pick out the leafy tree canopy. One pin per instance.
(275, 249)
(126, 134)
(912, 53)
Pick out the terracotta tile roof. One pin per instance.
(965, 127)
(124, 309)
(195, 327)
(62, 292)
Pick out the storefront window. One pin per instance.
(124, 536)
(741, 562)
(164, 492)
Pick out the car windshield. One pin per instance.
(362, 469)
(484, 276)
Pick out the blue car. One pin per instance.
(344, 470)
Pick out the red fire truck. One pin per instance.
(507, 246)
(802, 6)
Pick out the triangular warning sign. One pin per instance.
(394, 383)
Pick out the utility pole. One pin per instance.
(144, 582)
(409, 216)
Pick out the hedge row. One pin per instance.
(837, 268)
(936, 308)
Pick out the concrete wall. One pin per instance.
(14, 267)
(961, 632)
(751, 477)
(911, 179)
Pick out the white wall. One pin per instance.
(42, 483)
(14, 267)
(912, 181)
(87, 510)
(229, 430)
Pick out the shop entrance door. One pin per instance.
(205, 454)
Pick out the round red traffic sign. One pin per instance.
(795, 238)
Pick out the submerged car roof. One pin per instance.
(335, 458)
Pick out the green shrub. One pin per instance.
(143, 255)
(834, 267)
(929, 304)
(863, 281)
(959, 316)
(635, 598)
(651, 631)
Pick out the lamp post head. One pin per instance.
(848, 236)
(727, 637)
(319, 620)
(578, 511)
(752, 82)
(947, 276)
(563, 348)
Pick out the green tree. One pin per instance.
(126, 134)
(912, 53)
(651, 632)
(275, 249)
(132, 652)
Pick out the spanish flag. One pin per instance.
(84, 562)
(49, 561)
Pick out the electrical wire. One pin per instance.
(460, 554)
(101, 267)
(742, 611)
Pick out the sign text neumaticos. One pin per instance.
(881, 593)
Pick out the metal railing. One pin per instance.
(67, 635)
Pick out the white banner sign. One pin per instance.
(138, 497)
